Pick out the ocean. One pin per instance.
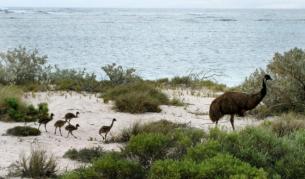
(158, 43)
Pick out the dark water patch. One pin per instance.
(226, 20)
(262, 20)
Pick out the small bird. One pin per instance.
(70, 116)
(44, 120)
(106, 129)
(59, 124)
(70, 128)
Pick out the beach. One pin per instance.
(94, 113)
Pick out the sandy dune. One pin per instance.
(93, 114)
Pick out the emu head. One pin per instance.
(114, 119)
(267, 77)
(77, 125)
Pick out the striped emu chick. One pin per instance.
(70, 116)
(105, 129)
(232, 103)
(45, 120)
(59, 124)
(70, 128)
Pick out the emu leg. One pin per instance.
(106, 135)
(45, 127)
(73, 135)
(60, 131)
(216, 124)
(55, 130)
(232, 121)
(68, 134)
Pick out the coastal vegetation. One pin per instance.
(37, 165)
(287, 90)
(163, 149)
(185, 152)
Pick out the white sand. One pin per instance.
(94, 114)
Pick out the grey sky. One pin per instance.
(157, 3)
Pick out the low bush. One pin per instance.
(194, 81)
(287, 124)
(148, 147)
(226, 166)
(37, 165)
(73, 80)
(85, 155)
(23, 131)
(118, 76)
(15, 110)
(162, 126)
(111, 165)
(219, 166)
(182, 139)
(203, 151)
(173, 169)
(21, 66)
(136, 98)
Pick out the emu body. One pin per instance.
(70, 116)
(106, 129)
(236, 103)
(70, 128)
(45, 120)
(59, 124)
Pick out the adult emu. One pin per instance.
(236, 103)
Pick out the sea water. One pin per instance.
(156, 42)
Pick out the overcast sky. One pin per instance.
(157, 3)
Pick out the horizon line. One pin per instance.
(211, 8)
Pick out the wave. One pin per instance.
(226, 20)
(264, 20)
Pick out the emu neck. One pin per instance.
(263, 90)
(111, 124)
(256, 98)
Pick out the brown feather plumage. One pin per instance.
(232, 103)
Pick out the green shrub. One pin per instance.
(70, 79)
(136, 98)
(85, 155)
(162, 126)
(287, 90)
(226, 166)
(196, 81)
(203, 151)
(259, 147)
(109, 166)
(148, 147)
(298, 137)
(287, 124)
(117, 75)
(12, 108)
(23, 131)
(137, 103)
(220, 166)
(37, 165)
(9, 92)
(262, 148)
(167, 169)
(182, 139)
(21, 66)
